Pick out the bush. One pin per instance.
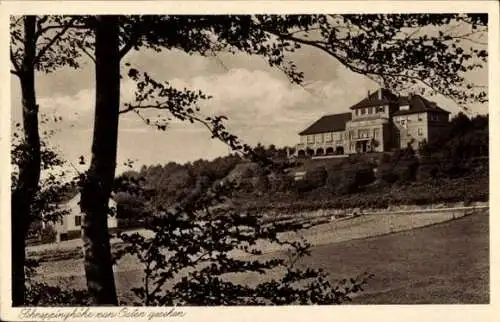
(316, 177)
(364, 175)
(42, 294)
(386, 175)
(48, 234)
(73, 234)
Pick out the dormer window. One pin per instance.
(404, 107)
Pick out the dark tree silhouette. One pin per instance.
(44, 44)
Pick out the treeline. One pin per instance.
(451, 169)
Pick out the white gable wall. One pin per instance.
(69, 221)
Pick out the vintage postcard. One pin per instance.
(237, 160)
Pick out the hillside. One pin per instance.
(453, 169)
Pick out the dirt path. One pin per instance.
(334, 231)
(389, 222)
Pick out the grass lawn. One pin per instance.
(444, 263)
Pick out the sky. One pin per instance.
(261, 104)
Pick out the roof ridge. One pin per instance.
(328, 123)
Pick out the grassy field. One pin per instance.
(446, 262)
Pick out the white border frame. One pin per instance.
(370, 313)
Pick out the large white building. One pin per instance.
(382, 121)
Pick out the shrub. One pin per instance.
(48, 234)
(316, 177)
(42, 294)
(386, 175)
(73, 234)
(199, 238)
(364, 175)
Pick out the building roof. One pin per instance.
(337, 122)
(418, 104)
(328, 123)
(75, 198)
(381, 97)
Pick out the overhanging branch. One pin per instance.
(44, 49)
(17, 68)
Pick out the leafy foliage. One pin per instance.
(42, 294)
(196, 245)
(57, 40)
(53, 186)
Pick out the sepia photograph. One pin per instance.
(247, 159)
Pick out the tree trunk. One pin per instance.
(96, 190)
(29, 167)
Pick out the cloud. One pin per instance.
(257, 96)
(261, 106)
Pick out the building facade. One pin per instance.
(74, 219)
(380, 122)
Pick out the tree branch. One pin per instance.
(39, 24)
(59, 26)
(82, 48)
(343, 61)
(17, 68)
(130, 44)
(198, 119)
(42, 51)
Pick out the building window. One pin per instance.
(370, 110)
(420, 117)
(357, 112)
(319, 138)
(376, 133)
(310, 139)
(420, 132)
(78, 220)
(403, 122)
(328, 137)
(363, 133)
(380, 109)
(363, 111)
